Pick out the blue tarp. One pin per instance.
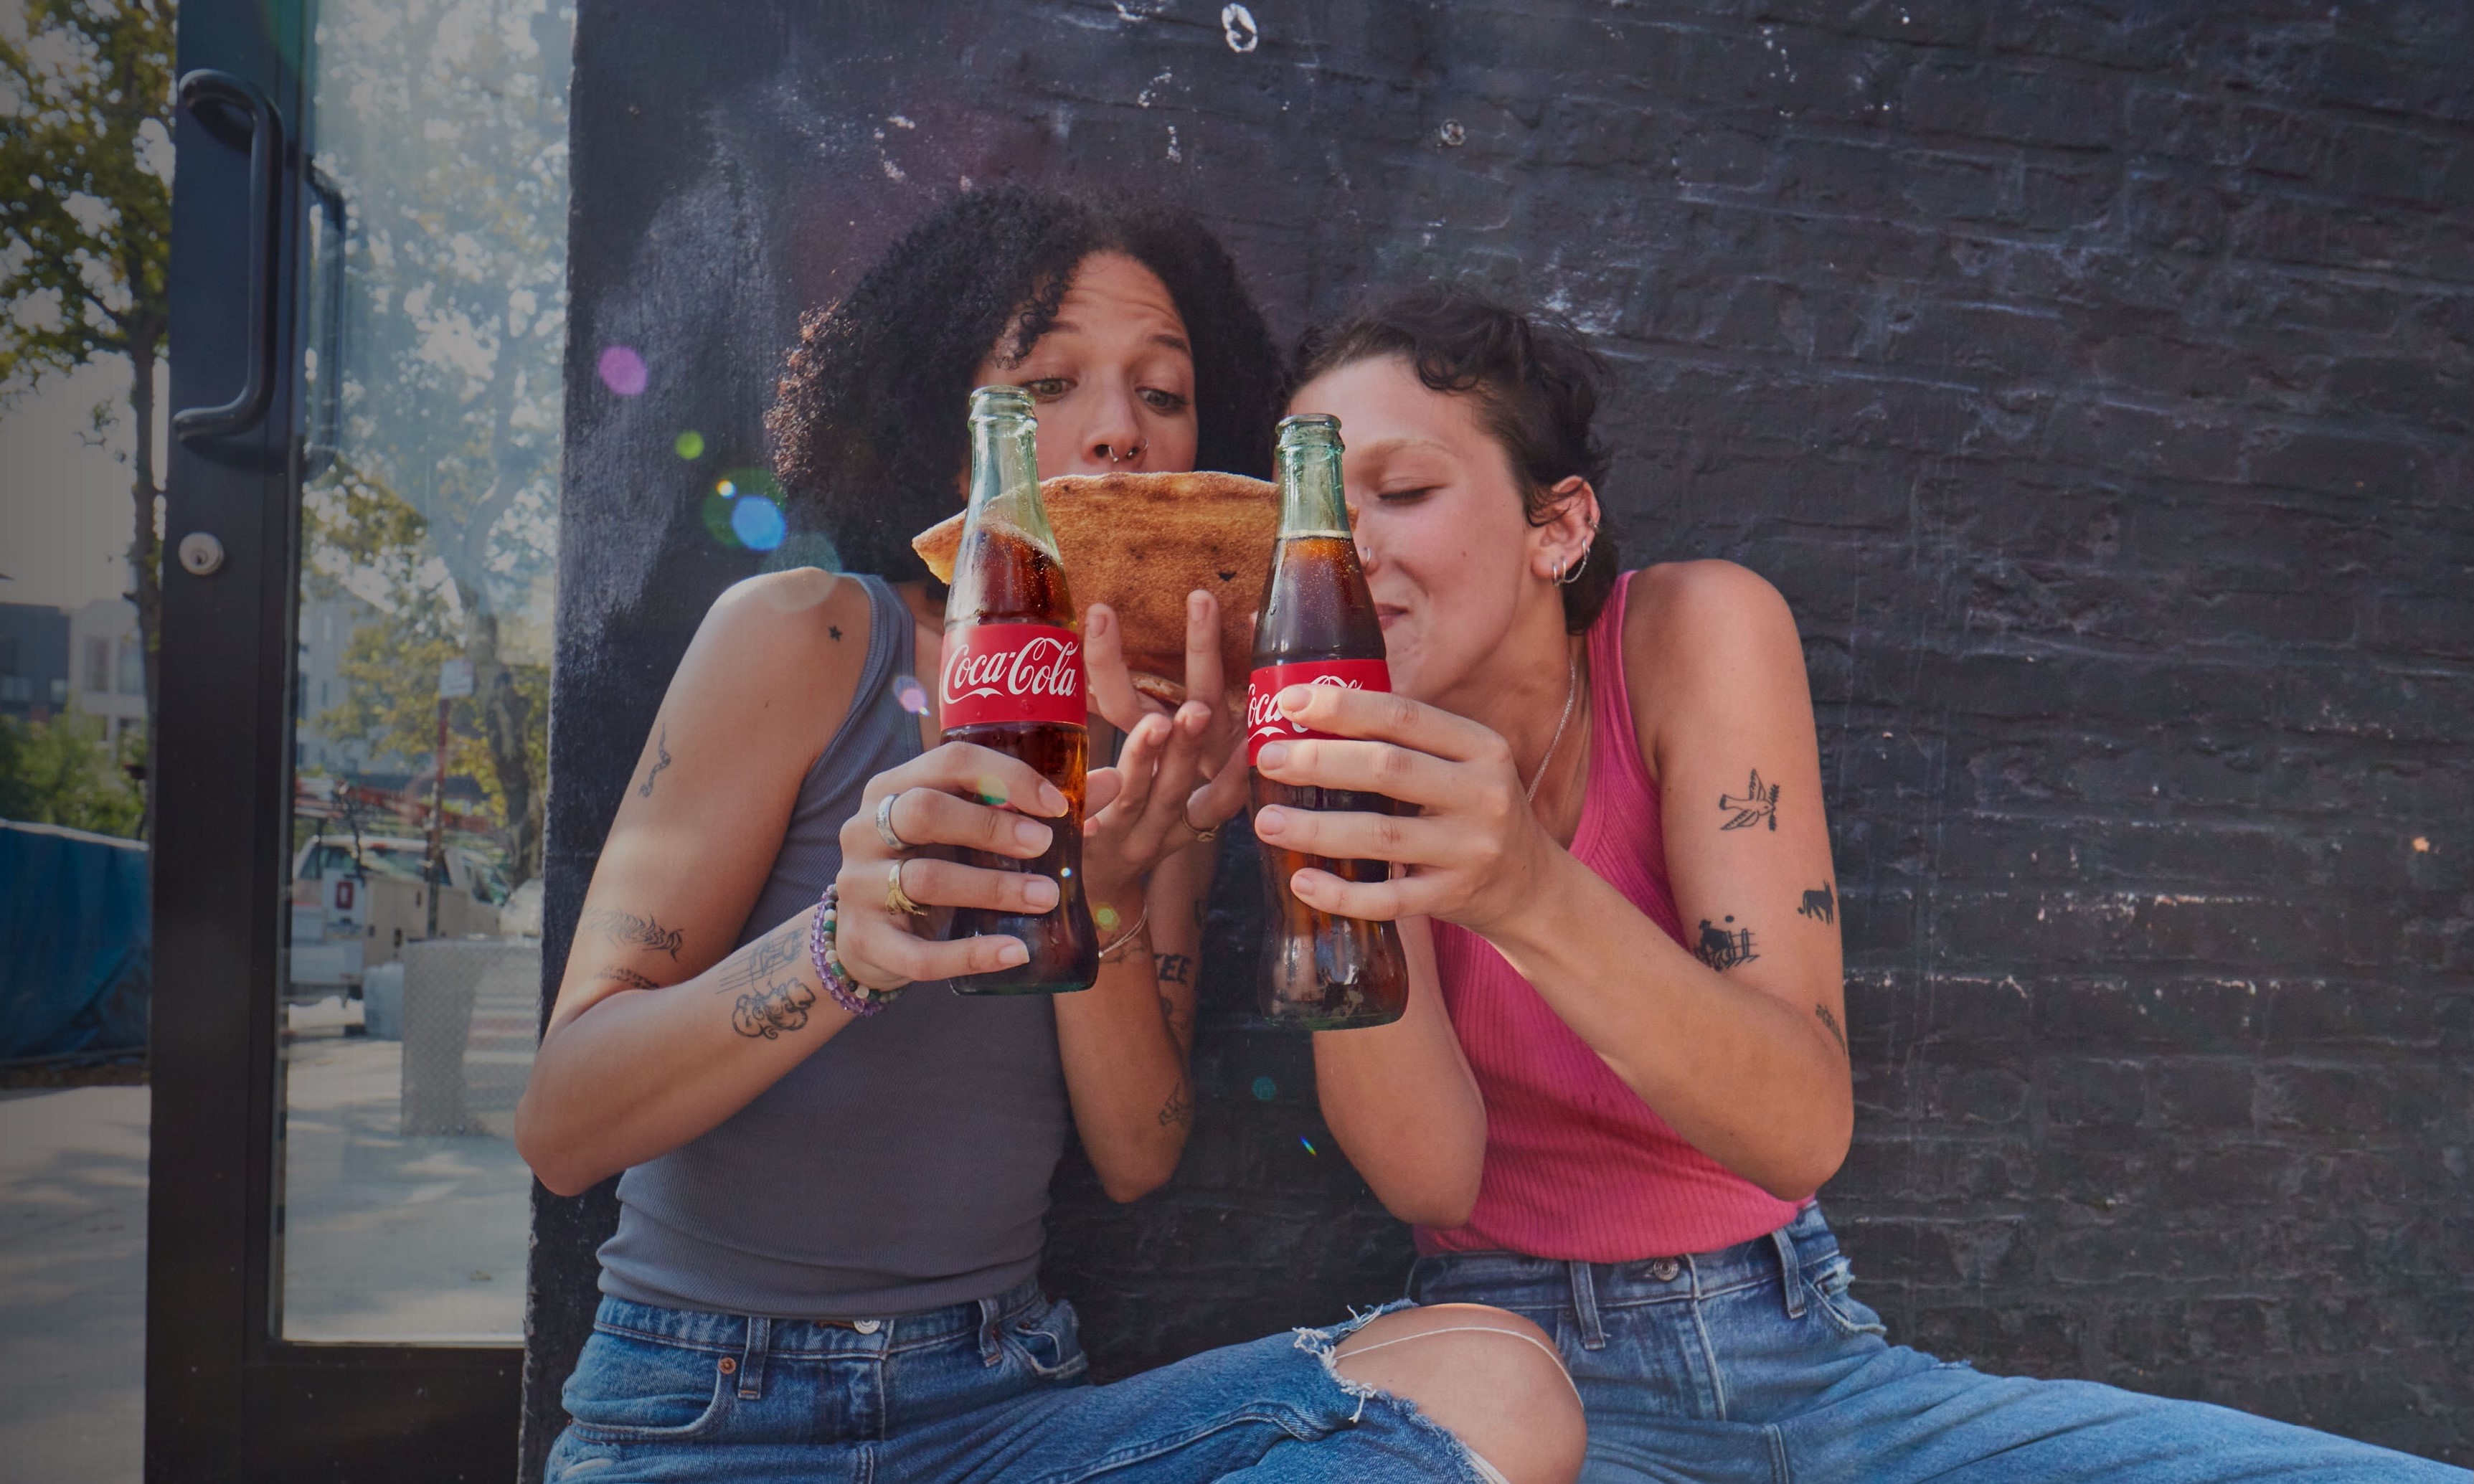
(76, 959)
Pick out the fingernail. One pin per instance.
(1012, 953)
(1293, 698)
(1270, 818)
(1272, 755)
(1040, 892)
(1051, 799)
(1030, 833)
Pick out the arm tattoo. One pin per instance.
(1832, 1021)
(768, 997)
(1180, 1023)
(1724, 948)
(625, 927)
(1176, 969)
(1755, 804)
(662, 760)
(1821, 905)
(1202, 912)
(1180, 1109)
(628, 977)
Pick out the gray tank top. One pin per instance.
(903, 1166)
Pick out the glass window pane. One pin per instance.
(434, 330)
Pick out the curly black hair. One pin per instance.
(1534, 375)
(867, 428)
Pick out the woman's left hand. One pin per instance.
(1475, 853)
(1139, 812)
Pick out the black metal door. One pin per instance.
(234, 1389)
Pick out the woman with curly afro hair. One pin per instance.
(831, 1208)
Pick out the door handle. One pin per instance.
(325, 424)
(204, 94)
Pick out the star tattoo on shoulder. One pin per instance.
(1755, 804)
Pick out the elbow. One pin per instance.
(1127, 1180)
(1441, 1205)
(1802, 1173)
(559, 1172)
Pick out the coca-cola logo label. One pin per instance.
(1013, 673)
(1264, 720)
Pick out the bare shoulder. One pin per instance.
(783, 647)
(1707, 635)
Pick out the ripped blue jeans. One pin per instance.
(1755, 1363)
(993, 1390)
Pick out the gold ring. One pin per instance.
(1185, 816)
(897, 900)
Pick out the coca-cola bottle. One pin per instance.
(1317, 626)
(1013, 681)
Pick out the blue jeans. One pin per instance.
(1755, 1363)
(993, 1390)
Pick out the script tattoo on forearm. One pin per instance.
(628, 977)
(625, 927)
(1832, 1021)
(1179, 1111)
(661, 759)
(1176, 969)
(1724, 948)
(768, 995)
(1757, 804)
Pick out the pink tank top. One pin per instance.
(1577, 1166)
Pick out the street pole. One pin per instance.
(455, 679)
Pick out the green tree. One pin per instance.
(86, 147)
(445, 124)
(60, 773)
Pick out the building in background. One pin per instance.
(108, 666)
(34, 661)
(325, 631)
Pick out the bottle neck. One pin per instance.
(1311, 500)
(1004, 457)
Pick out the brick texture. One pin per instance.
(2092, 378)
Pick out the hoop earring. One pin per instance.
(1563, 580)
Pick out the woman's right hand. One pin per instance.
(957, 794)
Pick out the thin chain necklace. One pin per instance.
(1571, 693)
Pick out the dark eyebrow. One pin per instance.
(1172, 342)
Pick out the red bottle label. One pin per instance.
(1264, 720)
(1013, 673)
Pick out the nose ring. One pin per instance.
(1133, 450)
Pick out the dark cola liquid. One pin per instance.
(1019, 583)
(1321, 972)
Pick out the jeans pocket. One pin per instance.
(1047, 1338)
(631, 1389)
(1830, 1286)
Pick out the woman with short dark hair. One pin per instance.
(1618, 840)
(829, 1216)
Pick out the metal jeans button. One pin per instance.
(1665, 1270)
(867, 1326)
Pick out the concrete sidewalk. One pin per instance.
(73, 1284)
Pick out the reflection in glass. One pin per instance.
(428, 514)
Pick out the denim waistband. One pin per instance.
(1793, 1257)
(753, 1336)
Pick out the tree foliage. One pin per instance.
(443, 122)
(86, 220)
(60, 772)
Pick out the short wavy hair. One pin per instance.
(1534, 375)
(867, 431)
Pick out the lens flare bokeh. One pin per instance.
(911, 695)
(1265, 1089)
(623, 372)
(689, 445)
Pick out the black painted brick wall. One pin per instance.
(2091, 378)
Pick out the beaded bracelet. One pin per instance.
(849, 994)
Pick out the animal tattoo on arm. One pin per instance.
(631, 931)
(1724, 948)
(1757, 804)
(769, 995)
(1821, 904)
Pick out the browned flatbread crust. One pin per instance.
(1140, 543)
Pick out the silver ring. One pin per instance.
(897, 900)
(885, 824)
